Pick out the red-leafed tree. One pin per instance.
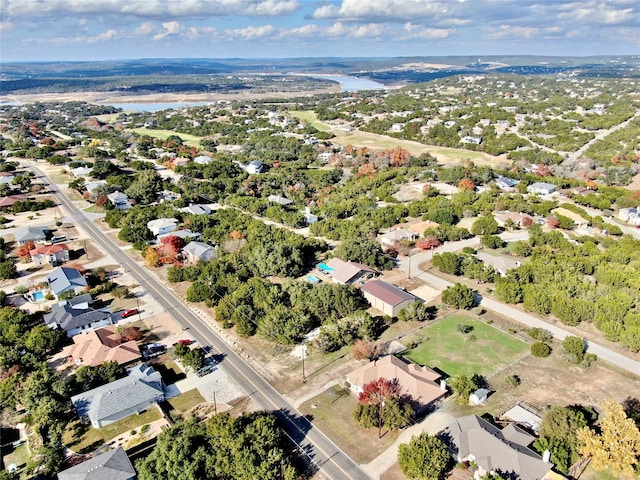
(128, 334)
(466, 184)
(428, 242)
(169, 248)
(526, 222)
(542, 170)
(23, 251)
(363, 350)
(381, 403)
(553, 222)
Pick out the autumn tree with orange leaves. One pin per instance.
(25, 248)
(466, 184)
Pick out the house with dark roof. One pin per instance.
(421, 384)
(50, 254)
(503, 452)
(386, 297)
(348, 273)
(111, 465)
(194, 252)
(133, 394)
(63, 279)
(8, 201)
(75, 319)
(31, 234)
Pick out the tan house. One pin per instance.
(518, 218)
(102, 345)
(421, 383)
(50, 254)
(387, 298)
(420, 227)
(347, 273)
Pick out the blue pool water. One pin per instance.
(37, 296)
(313, 279)
(325, 267)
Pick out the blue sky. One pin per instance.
(118, 29)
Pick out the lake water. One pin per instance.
(155, 107)
(352, 84)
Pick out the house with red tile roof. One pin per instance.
(102, 345)
(50, 254)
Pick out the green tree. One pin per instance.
(460, 296)
(145, 187)
(464, 385)
(540, 350)
(7, 270)
(425, 457)
(485, 226)
(574, 348)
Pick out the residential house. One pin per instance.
(386, 297)
(506, 184)
(348, 273)
(630, 215)
(397, 127)
(6, 178)
(81, 172)
(254, 167)
(280, 200)
(422, 384)
(63, 279)
(196, 209)
(119, 200)
(420, 227)
(309, 217)
(31, 234)
(186, 235)
(198, 252)
(92, 187)
(203, 160)
(50, 254)
(75, 319)
(471, 139)
(162, 225)
(325, 157)
(135, 393)
(568, 192)
(392, 238)
(111, 465)
(95, 347)
(519, 219)
(8, 201)
(502, 452)
(578, 221)
(542, 188)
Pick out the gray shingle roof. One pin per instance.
(65, 278)
(143, 384)
(68, 318)
(25, 234)
(200, 250)
(112, 465)
(497, 450)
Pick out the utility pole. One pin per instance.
(304, 377)
(215, 405)
(139, 314)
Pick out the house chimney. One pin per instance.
(443, 385)
(546, 456)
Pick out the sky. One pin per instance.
(119, 29)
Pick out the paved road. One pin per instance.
(334, 463)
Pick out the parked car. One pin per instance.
(152, 350)
(186, 342)
(201, 372)
(130, 312)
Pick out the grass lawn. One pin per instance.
(334, 416)
(19, 455)
(170, 372)
(83, 438)
(185, 402)
(484, 350)
(190, 140)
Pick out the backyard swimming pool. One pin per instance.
(37, 296)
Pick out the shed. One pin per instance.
(479, 397)
(386, 297)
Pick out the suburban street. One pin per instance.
(333, 462)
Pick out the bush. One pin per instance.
(469, 250)
(512, 381)
(462, 328)
(540, 350)
(540, 335)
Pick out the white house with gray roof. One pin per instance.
(31, 234)
(198, 252)
(111, 465)
(135, 393)
(162, 225)
(76, 318)
(542, 188)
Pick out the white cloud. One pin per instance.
(170, 28)
(6, 26)
(151, 8)
(145, 29)
(251, 32)
(364, 10)
(102, 37)
(507, 31)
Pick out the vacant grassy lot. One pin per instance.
(190, 140)
(375, 141)
(83, 438)
(333, 414)
(484, 350)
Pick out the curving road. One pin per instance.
(322, 452)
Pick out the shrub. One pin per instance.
(540, 335)
(512, 381)
(540, 350)
(469, 250)
(462, 328)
